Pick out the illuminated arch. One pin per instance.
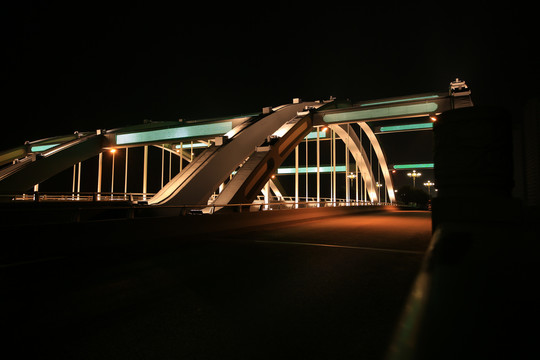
(359, 154)
(381, 158)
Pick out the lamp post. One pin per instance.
(113, 152)
(378, 190)
(429, 184)
(350, 176)
(414, 175)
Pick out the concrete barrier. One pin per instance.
(469, 300)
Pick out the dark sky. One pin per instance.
(82, 66)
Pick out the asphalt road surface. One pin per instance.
(330, 288)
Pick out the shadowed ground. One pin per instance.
(323, 288)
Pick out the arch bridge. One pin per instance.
(235, 160)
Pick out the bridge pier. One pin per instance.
(468, 300)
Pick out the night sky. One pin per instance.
(83, 66)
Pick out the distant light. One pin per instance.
(433, 118)
(113, 151)
(324, 129)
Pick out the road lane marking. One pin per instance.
(342, 247)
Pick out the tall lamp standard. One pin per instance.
(379, 190)
(351, 176)
(113, 152)
(414, 175)
(429, 184)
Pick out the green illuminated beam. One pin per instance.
(414, 166)
(311, 169)
(193, 131)
(401, 100)
(313, 135)
(385, 112)
(39, 148)
(406, 127)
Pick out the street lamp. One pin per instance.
(429, 184)
(113, 152)
(378, 190)
(414, 175)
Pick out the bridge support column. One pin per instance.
(334, 187)
(100, 165)
(296, 199)
(347, 184)
(145, 172)
(79, 180)
(74, 180)
(181, 157)
(162, 166)
(267, 195)
(112, 174)
(126, 173)
(307, 173)
(318, 168)
(356, 180)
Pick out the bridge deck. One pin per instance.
(330, 287)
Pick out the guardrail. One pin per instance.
(76, 196)
(88, 207)
(141, 197)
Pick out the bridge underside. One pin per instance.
(242, 153)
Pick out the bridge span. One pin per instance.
(240, 155)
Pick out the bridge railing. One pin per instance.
(281, 205)
(76, 196)
(90, 207)
(279, 201)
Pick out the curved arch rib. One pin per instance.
(382, 159)
(198, 181)
(257, 171)
(360, 156)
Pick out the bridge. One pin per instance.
(324, 281)
(213, 164)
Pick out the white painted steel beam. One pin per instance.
(360, 157)
(381, 158)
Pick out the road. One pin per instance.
(329, 288)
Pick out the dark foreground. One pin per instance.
(329, 288)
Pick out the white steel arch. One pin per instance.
(359, 154)
(381, 158)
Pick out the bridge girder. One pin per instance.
(39, 160)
